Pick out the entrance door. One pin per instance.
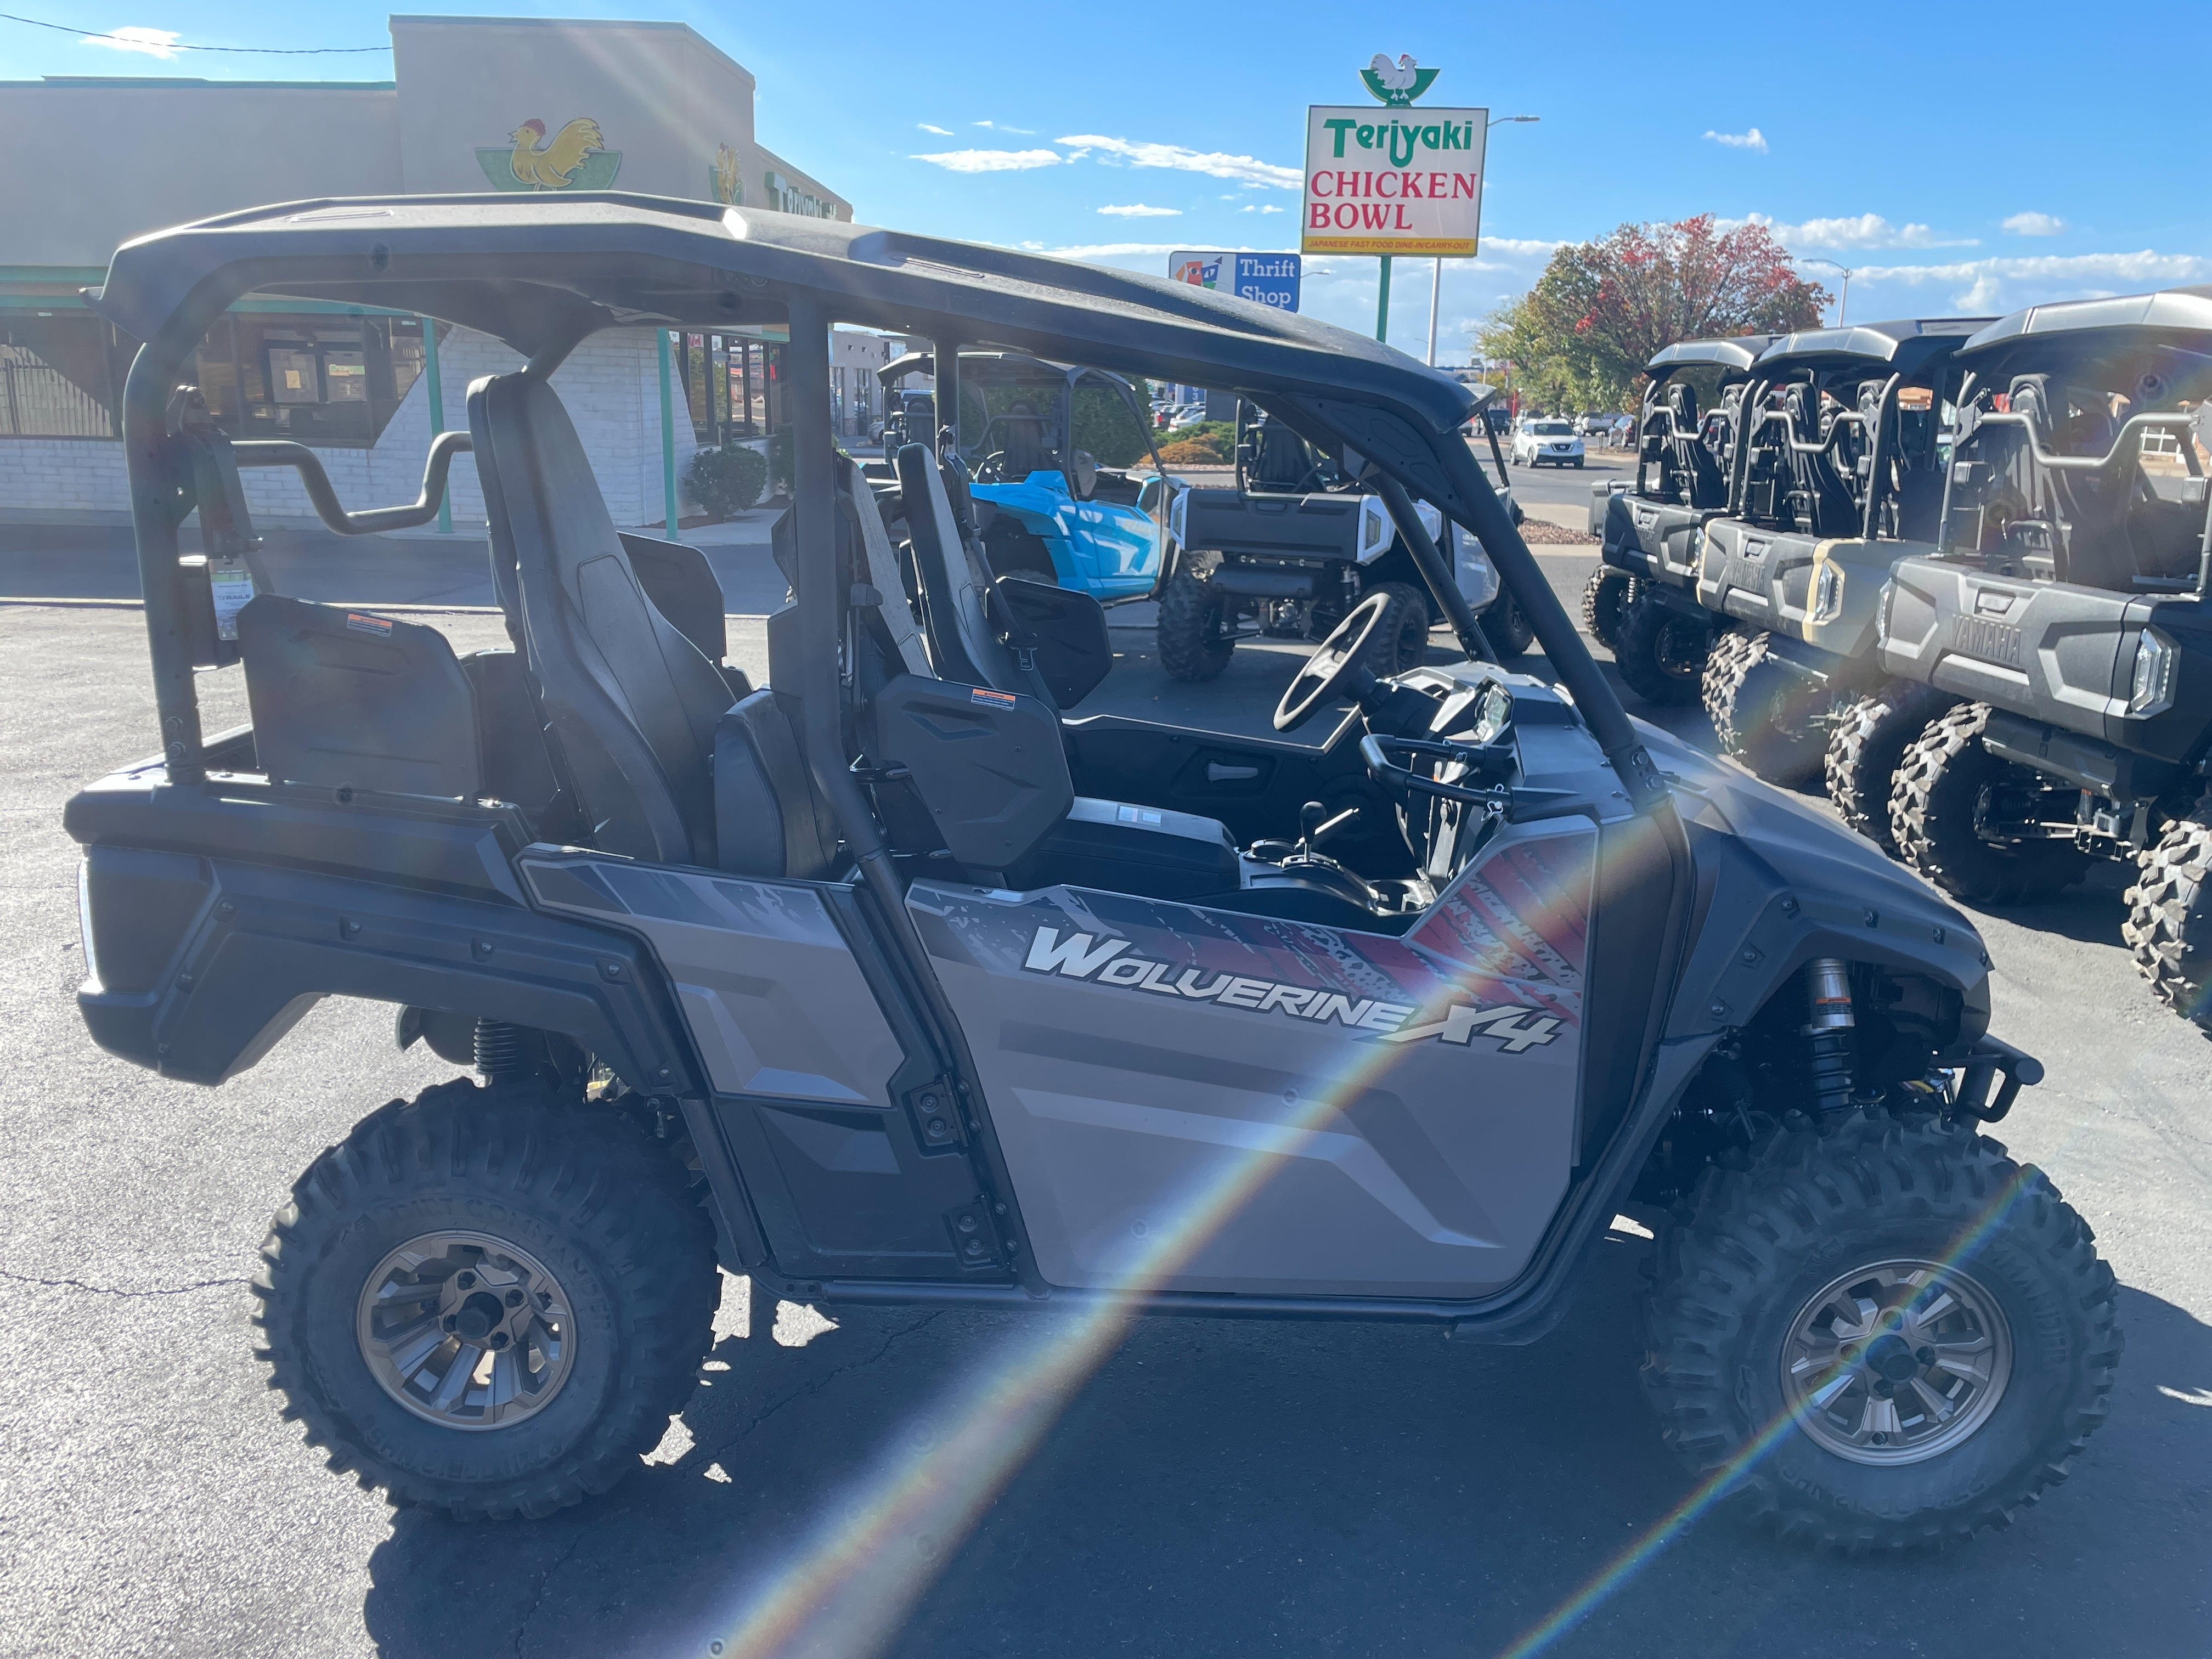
(1199, 1099)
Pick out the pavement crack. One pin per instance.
(891, 1340)
(544, 1583)
(110, 1290)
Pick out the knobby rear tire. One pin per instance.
(1866, 748)
(2169, 924)
(1932, 805)
(1401, 639)
(607, 1208)
(1662, 653)
(1764, 711)
(1605, 595)
(1190, 635)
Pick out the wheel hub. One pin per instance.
(1896, 1362)
(466, 1330)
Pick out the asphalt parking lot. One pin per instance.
(1241, 1489)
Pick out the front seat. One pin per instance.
(632, 702)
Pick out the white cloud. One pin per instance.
(1244, 169)
(1861, 230)
(1753, 140)
(1139, 211)
(155, 43)
(2002, 283)
(1259, 207)
(990, 161)
(1025, 132)
(942, 132)
(1518, 247)
(2035, 224)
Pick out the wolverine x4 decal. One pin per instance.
(1107, 961)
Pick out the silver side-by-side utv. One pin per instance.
(889, 982)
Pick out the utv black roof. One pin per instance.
(2109, 339)
(1906, 346)
(1737, 354)
(542, 271)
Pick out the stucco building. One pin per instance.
(475, 104)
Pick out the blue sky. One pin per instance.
(1963, 158)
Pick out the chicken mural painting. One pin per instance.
(725, 184)
(574, 158)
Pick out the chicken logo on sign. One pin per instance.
(574, 158)
(1400, 82)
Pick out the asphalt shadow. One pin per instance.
(1290, 1489)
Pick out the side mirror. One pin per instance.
(1083, 473)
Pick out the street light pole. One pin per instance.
(1844, 302)
(1437, 284)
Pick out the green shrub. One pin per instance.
(726, 482)
(1209, 443)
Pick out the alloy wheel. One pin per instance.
(466, 1330)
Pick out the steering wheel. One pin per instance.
(1338, 658)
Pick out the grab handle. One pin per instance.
(280, 452)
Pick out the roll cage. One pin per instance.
(2077, 457)
(1683, 455)
(542, 275)
(1829, 448)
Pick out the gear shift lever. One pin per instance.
(1315, 826)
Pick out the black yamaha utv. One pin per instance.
(1297, 543)
(884, 983)
(2065, 611)
(1840, 473)
(1640, 602)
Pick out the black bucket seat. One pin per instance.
(632, 703)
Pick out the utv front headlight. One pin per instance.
(2152, 691)
(1828, 593)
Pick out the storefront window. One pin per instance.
(728, 379)
(329, 381)
(61, 376)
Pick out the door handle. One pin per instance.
(1216, 773)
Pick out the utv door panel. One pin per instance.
(811, 1075)
(1202, 1100)
(775, 1002)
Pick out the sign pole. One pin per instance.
(1436, 293)
(1382, 304)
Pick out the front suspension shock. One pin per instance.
(1833, 1029)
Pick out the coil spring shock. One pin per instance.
(499, 1049)
(1833, 1029)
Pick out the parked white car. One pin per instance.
(1546, 443)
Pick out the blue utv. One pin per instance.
(1056, 460)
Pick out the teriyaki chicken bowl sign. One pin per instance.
(1396, 179)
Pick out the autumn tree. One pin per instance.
(1601, 310)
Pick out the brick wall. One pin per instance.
(610, 385)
